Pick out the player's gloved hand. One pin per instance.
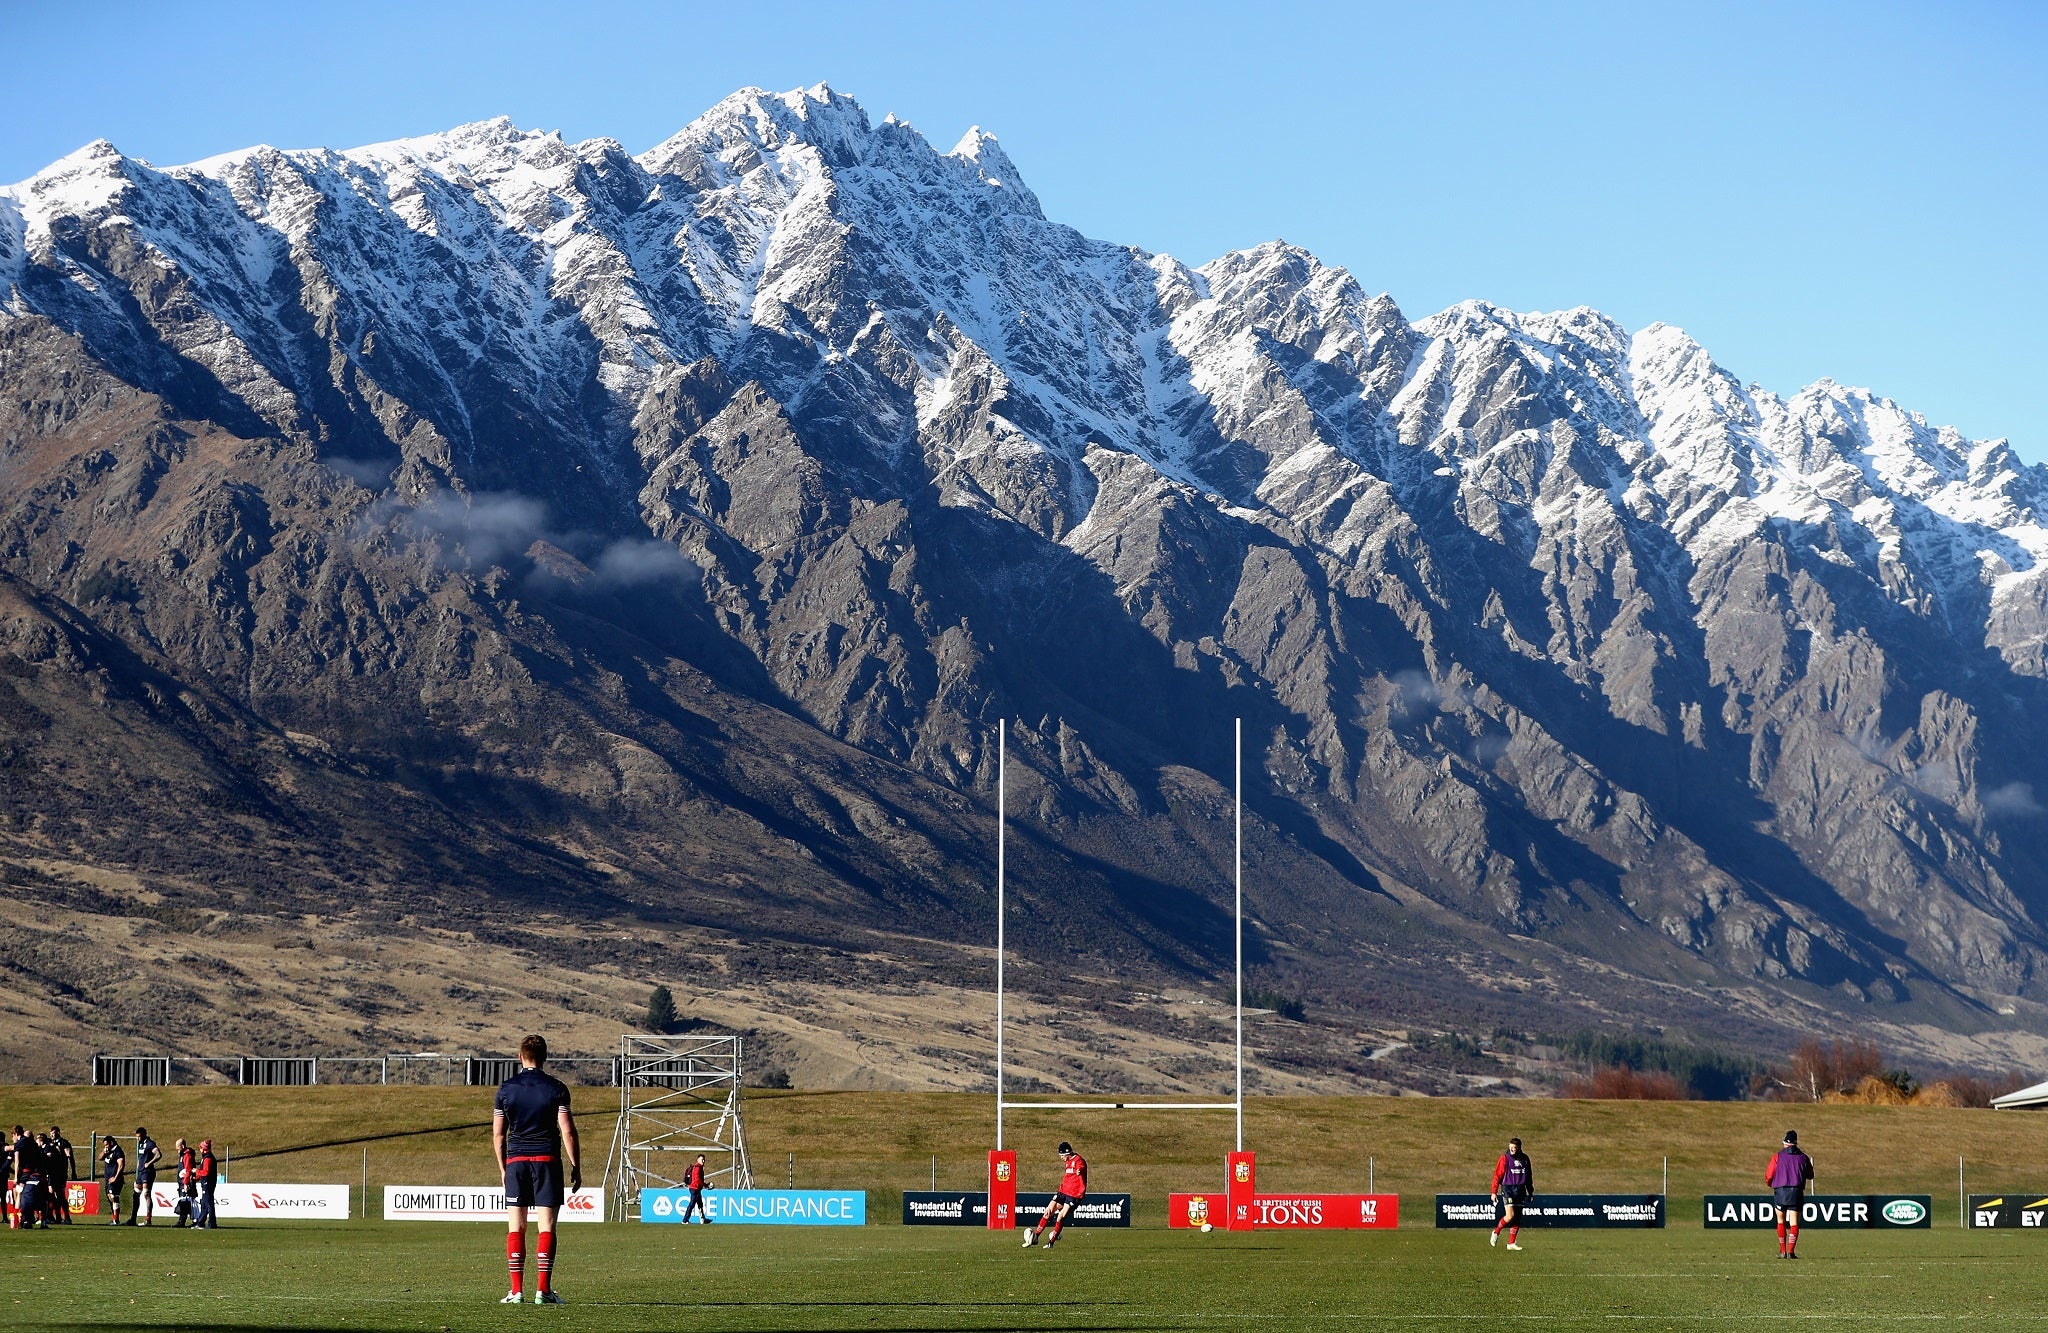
(575, 1178)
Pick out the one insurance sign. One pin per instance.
(786, 1208)
(1878, 1211)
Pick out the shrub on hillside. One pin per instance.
(1619, 1084)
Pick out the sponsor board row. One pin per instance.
(1824, 1211)
(799, 1208)
(969, 1208)
(1317, 1212)
(1555, 1210)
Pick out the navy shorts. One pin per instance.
(533, 1184)
(1789, 1196)
(1067, 1199)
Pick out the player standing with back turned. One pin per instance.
(533, 1135)
(1073, 1188)
(1788, 1175)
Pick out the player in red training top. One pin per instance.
(1073, 1188)
(1514, 1184)
(533, 1136)
(1788, 1175)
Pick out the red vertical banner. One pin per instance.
(1002, 1190)
(1240, 1180)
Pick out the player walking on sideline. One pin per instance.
(697, 1180)
(188, 1187)
(1514, 1184)
(205, 1179)
(113, 1168)
(533, 1135)
(1073, 1188)
(148, 1157)
(1788, 1175)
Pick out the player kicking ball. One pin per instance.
(534, 1136)
(1073, 1188)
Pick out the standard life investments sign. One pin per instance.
(789, 1208)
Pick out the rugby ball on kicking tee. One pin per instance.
(1208, 1227)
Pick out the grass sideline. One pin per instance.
(369, 1276)
(885, 1142)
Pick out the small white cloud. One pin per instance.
(2015, 800)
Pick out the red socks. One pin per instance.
(1513, 1232)
(1792, 1239)
(515, 1257)
(547, 1262)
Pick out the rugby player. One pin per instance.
(1073, 1188)
(1514, 1184)
(533, 1135)
(148, 1157)
(1788, 1175)
(697, 1179)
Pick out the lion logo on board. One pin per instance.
(1244, 1172)
(1198, 1211)
(1002, 1171)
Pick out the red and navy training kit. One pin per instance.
(1788, 1175)
(695, 1180)
(531, 1104)
(1073, 1188)
(1514, 1181)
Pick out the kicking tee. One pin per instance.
(1074, 1184)
(531, 1104)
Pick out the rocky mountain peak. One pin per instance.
(1539, 626)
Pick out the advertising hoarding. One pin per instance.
(969, 1208)
(1555, 1210)
(476, 1203)
(789, 1208)
(1825, 1211)
(1324, 1212)
(2019, 1210)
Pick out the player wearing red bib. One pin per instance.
(1073, 1188)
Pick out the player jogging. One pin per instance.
(1073, 1188)
(1514, 1184)
(533, 1135)
(697, 1180)
(1788, 1175)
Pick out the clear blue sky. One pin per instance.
(1856, 190)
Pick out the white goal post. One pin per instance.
(1003, 1103)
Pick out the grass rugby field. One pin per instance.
(369, 1275)
(433, 1276)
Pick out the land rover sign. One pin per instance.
(1879, 1211)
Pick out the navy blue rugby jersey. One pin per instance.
(531, 1103)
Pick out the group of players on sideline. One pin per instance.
(39, 1169)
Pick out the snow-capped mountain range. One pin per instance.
(1547, 633)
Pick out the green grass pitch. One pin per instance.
(434, 1276)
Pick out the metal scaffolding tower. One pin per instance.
(678, 1096)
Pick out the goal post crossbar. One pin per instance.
(1119, 1106)
(1236, 1104)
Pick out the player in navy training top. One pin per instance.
(534, 1135)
